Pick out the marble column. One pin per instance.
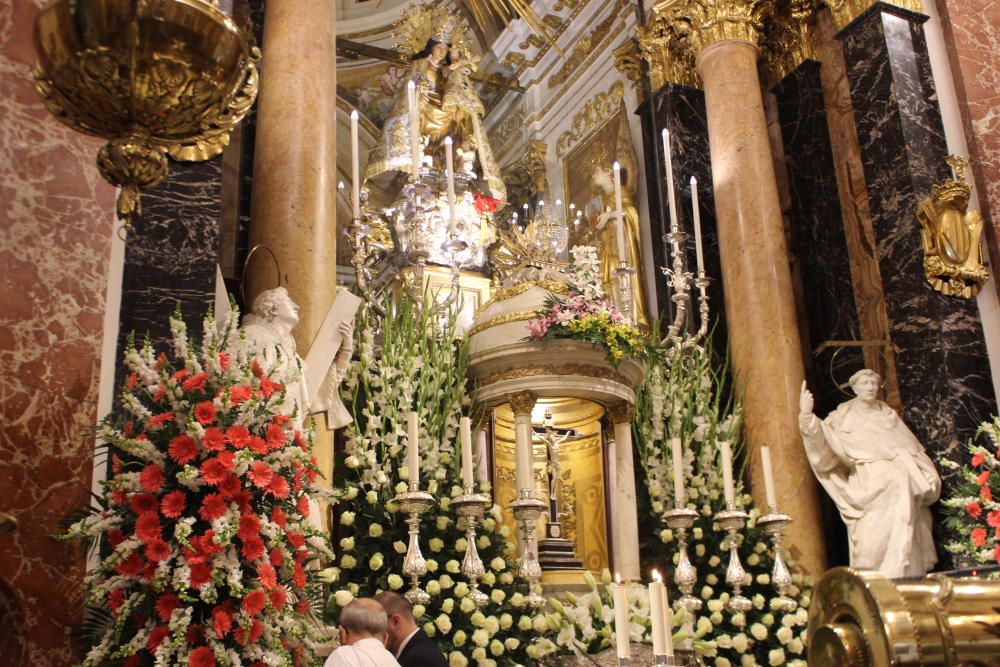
(625, 526)
(764, 338)
(943, 370)
(293, 207)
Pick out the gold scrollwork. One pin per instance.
(595, 112)
(583, 48)
(586, 370)
(522, 402)
(507, 318)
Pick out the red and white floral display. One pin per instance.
(204, 518)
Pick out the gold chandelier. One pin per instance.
(153, 77)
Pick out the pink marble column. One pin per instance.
(56, 220)
(973, 39)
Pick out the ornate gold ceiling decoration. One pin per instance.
(628, 61)
(582, 49)
(593, 113)
(507, 11)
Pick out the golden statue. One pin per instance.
(951, 236)
(441, 61)
(603, 183)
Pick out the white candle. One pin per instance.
(727, 472)
(670, 180)
(524, 470)
(697, 225)
(480, 456)
(656, 614)
(355, 166)
(413, 446)
(621, 618)
(465, 435)
(765, 459)
(680, 494)
(450, 170)
(668, 626)
(620, 228)
(411, 94)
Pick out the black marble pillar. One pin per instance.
(943, 370)
(818, 242)
(681, 110)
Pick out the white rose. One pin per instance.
(498, 595)
(480, 638)
(523, 623)
(479, 655)
(511, 643)
(456, 659)
(375, 562)
(496, 647)
(395, 582)
(459, 638)
(347, 518)
(506, 621)
(796, 645)
(506, 578)
(491, 625)
(342, 598)
(436, 544)
(351, 494)
(758, 631)
(776, 657)
(477, 619)
(429, 629)
(432, 566)
(375, 530)
(448, 605)
(418, 611)
(433, 587)
(461, 545)
(371, 497)
(467, 605)
(489, 578)
(452, 566)
(443, 623)
(446, 581)
(498, 564)
(347, 543)
(784, 634)
(442, 522)
(740, 643)
(399, 547)
(461, 589)
(347, 561)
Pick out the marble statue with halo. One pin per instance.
(268, 331)
(877, 473)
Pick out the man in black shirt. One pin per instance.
(411, 645)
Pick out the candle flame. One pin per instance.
(665, 133)
(694, 181)
(447, 140)
(656, 576)
(618, 578)
(354, 115)
(559, 202)
(541, 202)
(340, 186)
(616, 166)
(412, 86)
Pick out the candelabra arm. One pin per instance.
(679, 279)
(702, 283)
(733, 520)
(472, 506)
(774, 524)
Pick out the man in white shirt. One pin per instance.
(363, 633)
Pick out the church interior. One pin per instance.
(593, 332)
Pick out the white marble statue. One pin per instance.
(268, 330)
(879, 476)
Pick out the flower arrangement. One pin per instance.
(417, 367)
(587, 314)
(974, 515)
(205, 515)
(683, 400)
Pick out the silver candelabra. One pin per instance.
(680, 520)
(413, 503)
(774, 523)
(732, 520)
(680, 280)
(471, 506)
(527, 510)
(623, 284)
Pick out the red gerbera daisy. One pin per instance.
(213, 471)
(201, 574)
(223, 360)
(195, 382)
(973, 509)
(238, 436)
(276, 558)
(983, 478)
(151, 478)
(157, 550)
(268, 387)
(213, 439)
(275, 437)
(978, 537)
(131, 565)
(986, 494)
(261, 474)
(156, 421)
(278, 517)
(249, 527)
(183, 449)
(266, 575)
(115, 537)
(172, 505)
(147, 527)
(143, 502)
(165, 605)
(258, 444)
(222, 619)
(116, 598)
(303, 505)
(295, 539)
(279, 487)
(230, 486)
(254, 602)
(278, 597)
(977, 460)
(256, 630)
(204, 412)
(179, 375)
(253, 548)
(212, 507)
(299, 577)
(156, 637)
(201, 657)
(240, 394)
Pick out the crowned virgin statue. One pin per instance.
(441, 63)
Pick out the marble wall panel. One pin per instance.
(972, 33)
(681, 110)
(943, 370)
(56, 220)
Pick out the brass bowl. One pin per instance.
(154, 77)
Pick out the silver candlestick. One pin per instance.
(471, 506)
(413, 503)
(623, 284)
(732, 520)
(527, 510)
(774, 524)
(680, 520)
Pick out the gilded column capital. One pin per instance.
(628, 61)
(786, 42)
(534, 160)
(522, 402)
(622, 413)
(846, 11)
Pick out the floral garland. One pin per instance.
(205, 514)
(974, 515)
(682, 400)
(415, 369)
(587, 314)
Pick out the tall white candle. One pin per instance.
(411, 94)
(680, 494)
(620, 226)
(413, 446)
(727, 471)
(465, 435)
(355, 165)
(696, 211)
(621, 618)
(480, 456)
(524, 453)
(671, 202)
(656, 614)
(450, 167)
(668, 626)
(765, 459)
